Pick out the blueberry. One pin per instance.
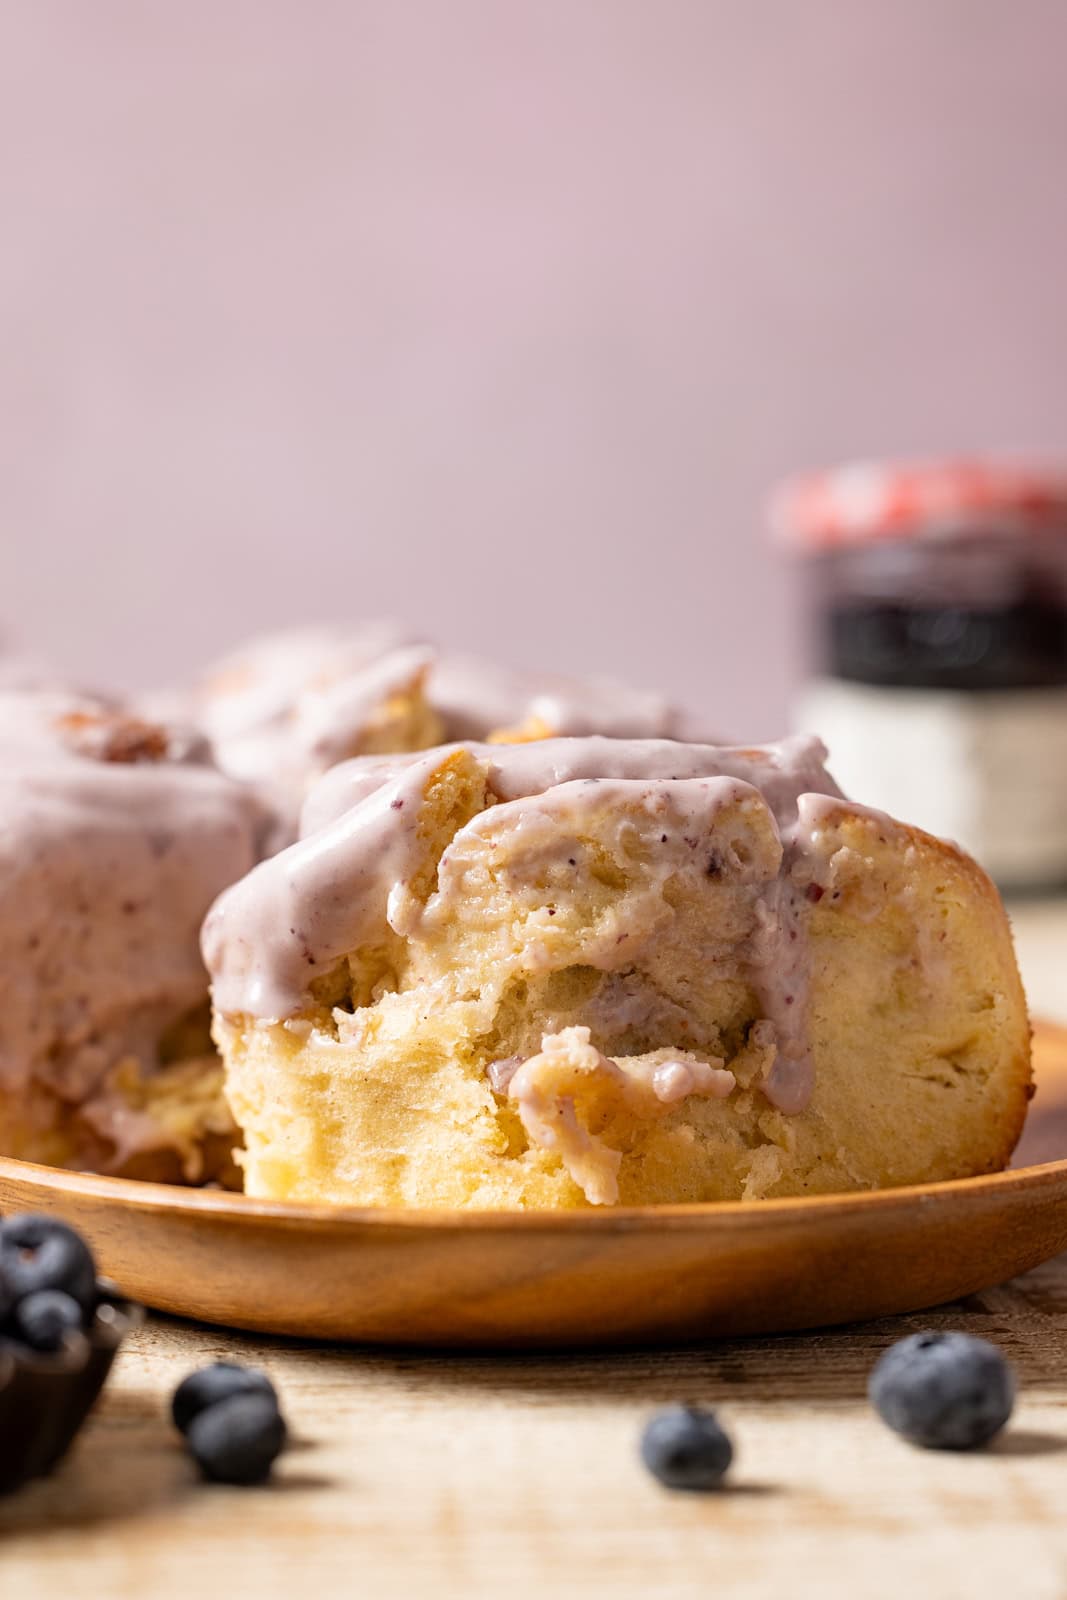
(945, 1391)
(210, 1385)
(38, 1252)
(237, 1440)
(686, 1448)
(43, 1320)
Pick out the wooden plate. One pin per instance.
(530, 1280)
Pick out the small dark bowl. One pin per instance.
(44, 1399)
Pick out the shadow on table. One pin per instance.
(1026, 1318)
(1022, 1442)
(127, 1463)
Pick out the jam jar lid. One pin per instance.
(868, 501)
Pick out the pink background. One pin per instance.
(501, 316)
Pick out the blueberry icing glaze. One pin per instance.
(348, 881)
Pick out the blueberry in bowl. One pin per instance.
(60, 1329)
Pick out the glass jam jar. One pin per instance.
(937, 596)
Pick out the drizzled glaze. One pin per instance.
(781, 771)
(547, 1090)
(348, 880)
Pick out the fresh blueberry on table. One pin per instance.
(210, 1385)
(39, 1252)
(944, 1391)
(44, 1319)
(238, 1440)
(685, 1448)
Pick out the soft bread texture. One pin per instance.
(568, 1016)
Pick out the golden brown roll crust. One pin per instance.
(918, 1018)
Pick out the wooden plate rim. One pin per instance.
(246, 1211)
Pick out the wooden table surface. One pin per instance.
(446, 1476)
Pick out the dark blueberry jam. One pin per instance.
(1019, 646)
(975, 613)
